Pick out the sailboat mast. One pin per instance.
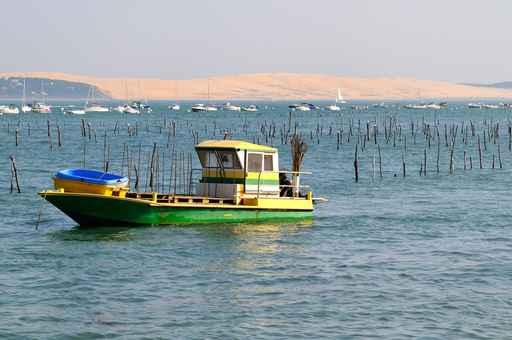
(42, 92)
(208, 90)
(23, 98)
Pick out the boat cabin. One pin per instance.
(233, 169)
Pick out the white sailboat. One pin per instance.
(24, 107)
(339, 98)
(41, 107)
(93, 106)
(174, 106)
(210, 107)
(231, 107)
(335, 107)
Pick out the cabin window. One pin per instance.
(208, 159)
(212, 159)
(229, 160)
(268, 163)
(254, 162)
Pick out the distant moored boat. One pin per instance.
(96, 108)
(9, 110)
(41, 108)
(174, 107)
(250, 108)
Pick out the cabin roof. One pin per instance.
(234, 144)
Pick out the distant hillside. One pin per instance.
(261, 86)
(501, 85)
(44, 88)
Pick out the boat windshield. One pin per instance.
(226, 159)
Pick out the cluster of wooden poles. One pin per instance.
(161, 166)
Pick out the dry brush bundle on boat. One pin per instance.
(299, 149)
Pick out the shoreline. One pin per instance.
(276, 87)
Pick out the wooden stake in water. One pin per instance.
(380, 161)
(438, 151)
(499, 155)
(424, 162)
(59, 143)
(479, 151)
(403, 163)
(49, 135)
(356, 167)
(14, 174)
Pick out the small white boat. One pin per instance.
(302, 108)
(130, 110)
(198, 108)
(474, 105)
(250, 108)
(96, 108)
(9, 110)
(119, 108)
(174, 107)
(333, 107)
(415, 106)
(74, 112)
(490, 106)
(26, 108)
(231, 107)
(433, 106)
(140, 107)
(41, 108)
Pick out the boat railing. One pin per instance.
(295, 182)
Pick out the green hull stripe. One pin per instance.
(98, 211)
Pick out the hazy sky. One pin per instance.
(454, 40)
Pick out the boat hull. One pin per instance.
(97, 210)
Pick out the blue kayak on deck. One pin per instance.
(91, 176)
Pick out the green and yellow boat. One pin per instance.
(240, 182)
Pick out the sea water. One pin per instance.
(394, 257)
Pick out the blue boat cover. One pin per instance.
(91, 176)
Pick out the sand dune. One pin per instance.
(275, 86)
